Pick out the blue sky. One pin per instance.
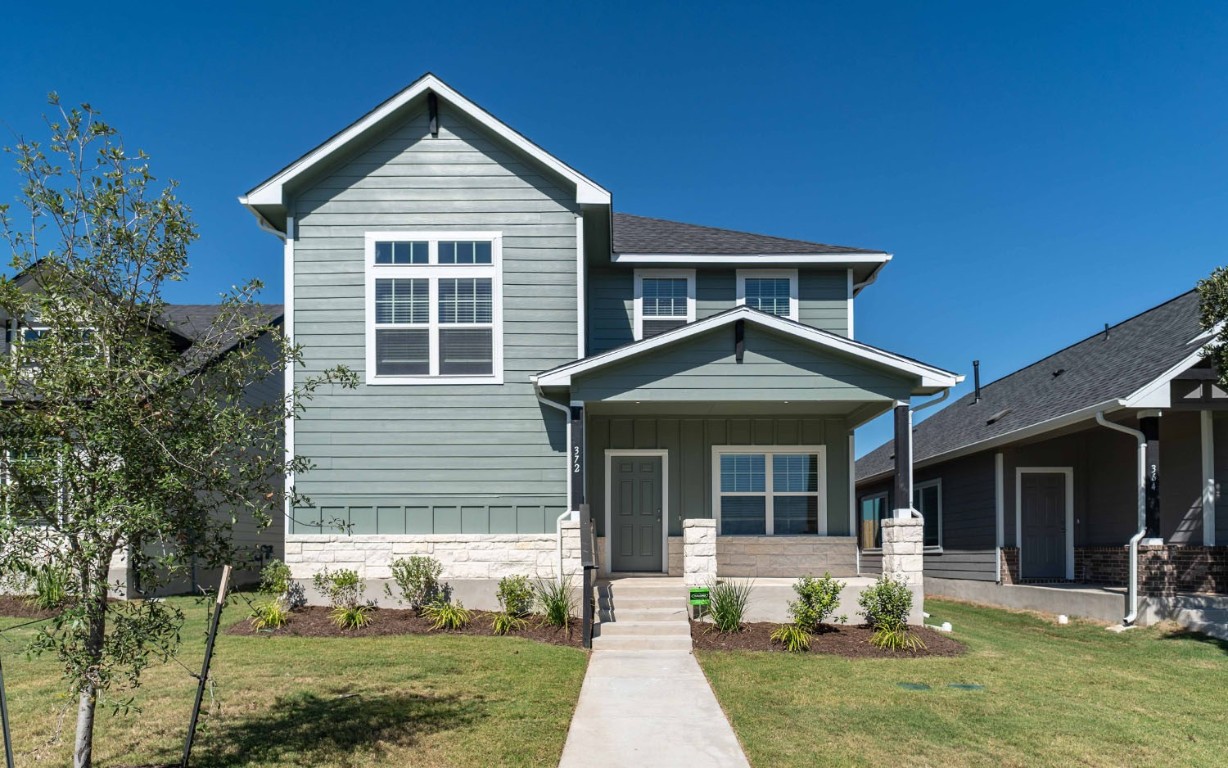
(1038, 169)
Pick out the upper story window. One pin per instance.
(664, 300)
(434, 308)
(769, 290)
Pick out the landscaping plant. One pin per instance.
(417, 580)
(516, 600)
(557, 602)
(793, 637)
(117, 441)
(51, 587)
(282, 594)
(817, 600)
(345, 591)
(727, 603)
(446, 615)
(886, 606)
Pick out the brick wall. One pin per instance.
(1163, 570)
(1010, 565)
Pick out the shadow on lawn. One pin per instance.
(308, 728)
(1198, 637)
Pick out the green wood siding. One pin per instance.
(822, 301)
(774, 368)
(690, 441)
(447, 458)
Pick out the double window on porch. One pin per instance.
(774, 492)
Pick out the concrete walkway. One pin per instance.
(649, 709)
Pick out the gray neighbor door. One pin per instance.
(635, 513)
(1043, 513)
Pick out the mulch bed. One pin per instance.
(850, 641)
(17, 607)
(314, 621)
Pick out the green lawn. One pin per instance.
(422, 701)
(1053, 695)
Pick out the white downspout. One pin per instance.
(1132, 590)
(558, 524)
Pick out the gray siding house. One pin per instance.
(526, 352)
(1040, 488)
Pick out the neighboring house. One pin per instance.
(524, 350)
(1020, 485)
(185, 325)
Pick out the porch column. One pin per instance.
(1207, 426)
(903, 460)
(575, 452)
(1149, 425)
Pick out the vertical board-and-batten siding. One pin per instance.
(434, 458)
(689, 442)
(822, 301)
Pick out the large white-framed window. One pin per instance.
(769, 290)
(769, 490)
(434, 305)
(927, 499)
(664, 300)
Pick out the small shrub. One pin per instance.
(727, 604)
(504, 622)
(446, 615)
(793, 637)
(269, 615)
(556, 601)
(417, 580)
(345, 591)
(817, 600)
(515, 595)
(275, 578)
(50, 588)
(888, 603)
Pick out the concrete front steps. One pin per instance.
(642, 614)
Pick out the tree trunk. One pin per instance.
(96, 618)
(83, 751)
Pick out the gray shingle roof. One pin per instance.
(1099, 368)
(192, 321)
(640, 234)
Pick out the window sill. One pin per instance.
(428, 380)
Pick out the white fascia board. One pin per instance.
(1156, 393)
(842, 259)
(271, 191)
(929, 376)
(1058, 422)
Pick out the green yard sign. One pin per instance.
(699, 596)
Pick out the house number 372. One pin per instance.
(575, 460)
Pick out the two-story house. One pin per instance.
(524, 350)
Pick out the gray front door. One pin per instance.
(1043, 513)
(635, 513)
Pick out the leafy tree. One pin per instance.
(118, 438)
(1213, 309)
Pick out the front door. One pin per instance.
(635, 513)
(1043, 522)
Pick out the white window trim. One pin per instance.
(434, 270)
(1068, 472)
(935, 483)
(768, 492)
(868, 497)
(789, 273)
(640, 274)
